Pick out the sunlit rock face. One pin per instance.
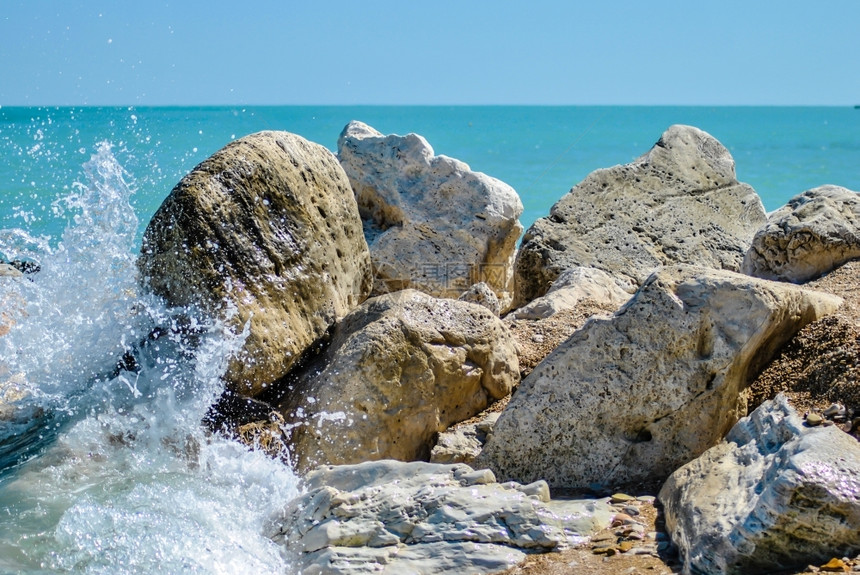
(816, 232)
(775, 495)
(679, 203)
(631, 398)
(400, 369)
(266, 234)
(433, 224)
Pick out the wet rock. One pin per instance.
(265, 234)
(432, 223)
(816, 232)
(400, 369)
(631, 398)
(397, 517)
(679, 203)
(774, 495)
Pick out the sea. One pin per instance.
(104, 466)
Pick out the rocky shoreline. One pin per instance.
(662, 376)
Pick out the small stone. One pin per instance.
(602, 538)
(813, 419)
(835, 410)
(537, 338)
(630, 510)
(646, 499)
(835, 565)
(608, 551)
(625, 546)
(621, 498)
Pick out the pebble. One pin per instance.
(646, 499)
(625, 546)
(630, 510)
(835, 565)
(537, 338)
(621, 498)
(813, 419)
(608, 551)
(835, 410)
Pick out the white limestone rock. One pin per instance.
(679, 203)
(432, 223)
(483, 295)
(572, 287)
(633, 397)
(774, 495)
(400, 369)
(816, 232)
(393, 517)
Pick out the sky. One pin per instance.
(388, 52)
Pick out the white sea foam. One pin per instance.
(125, 479)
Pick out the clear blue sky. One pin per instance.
(143, 52)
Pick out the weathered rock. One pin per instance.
(400, 369)
(679, 203)
(483, 295)
(634, 397)
(267, 227)
(816, 232)
(774, 495)
(432, 223)
(463, 443)
(572, 287)
(392, 517)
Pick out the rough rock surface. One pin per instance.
(776, 494)
(400, 369)
(267, 227)
(483, 295)
(463, 443)
(679, 203)
(392, 517)
(572, 287)
(432, 223)
(814, 233)
(631, 398)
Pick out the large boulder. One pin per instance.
(631, 398)
(400, 369)
(816, 232)
(265, 234)
(432, 223)
(393, 517)
(679, 203)
(774, 495)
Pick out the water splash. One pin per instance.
(102, 390)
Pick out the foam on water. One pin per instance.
(105, 466)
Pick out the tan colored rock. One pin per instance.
(572, 287)
(679, 203)
(400, 369)
(816, 232)
(775, 495)
(268, 228)
(483, 295)
(631, 398)
(432, 223)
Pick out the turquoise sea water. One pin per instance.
(541, 151)
(104, 468)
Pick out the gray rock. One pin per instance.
(633, 397)
(774, 495)
(572, 287)
(463, 444)
(400, 369)
(679, 203)
(483, 295)
(816, 232)
(393, 517)
(266, 234)
(432, 223)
